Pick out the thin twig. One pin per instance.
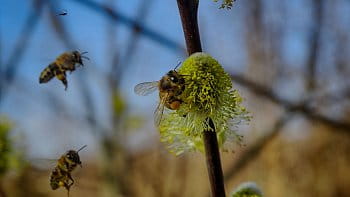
(188, 11)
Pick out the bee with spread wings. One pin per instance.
(170, 89)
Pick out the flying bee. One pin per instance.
(61, 174)
(63, 13)
(65, 62)
(170, 88)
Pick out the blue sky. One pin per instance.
(29, 106)
(27, 103)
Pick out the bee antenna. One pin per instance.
(85, 57)
(81, 148)
(178, 64)
(83, 53)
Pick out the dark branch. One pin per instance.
(213, 162)
(188, 13)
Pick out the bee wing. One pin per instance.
(158, 113)
(43, 163)
(146, 88)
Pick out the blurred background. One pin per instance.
(288, 59)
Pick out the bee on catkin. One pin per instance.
(170, 88)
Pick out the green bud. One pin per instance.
(226, 3)
(247, 189)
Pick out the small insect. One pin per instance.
(63, 13)
(170, 88)
(63, 63)
(61, 174)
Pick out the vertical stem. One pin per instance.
(188, 11)
(213, 162)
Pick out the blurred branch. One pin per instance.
(59, 27)
(10, 68)
(86, 95)
(132, 42)
(314, 43)
(257, 147)
(289, 106)
(133, 24)
(0, 52)
(113, 145)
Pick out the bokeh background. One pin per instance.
(288, 59)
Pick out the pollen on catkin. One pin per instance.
(208, 95)
(226, 3)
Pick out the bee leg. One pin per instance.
(62, 77)
(71, 70)
(68, 189)
(67, 186)
(70, 177)
(65, 83)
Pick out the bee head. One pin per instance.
(73, 156)
(173, 76)
(77, 56)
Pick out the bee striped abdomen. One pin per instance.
(48, 73)
(55, 178)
